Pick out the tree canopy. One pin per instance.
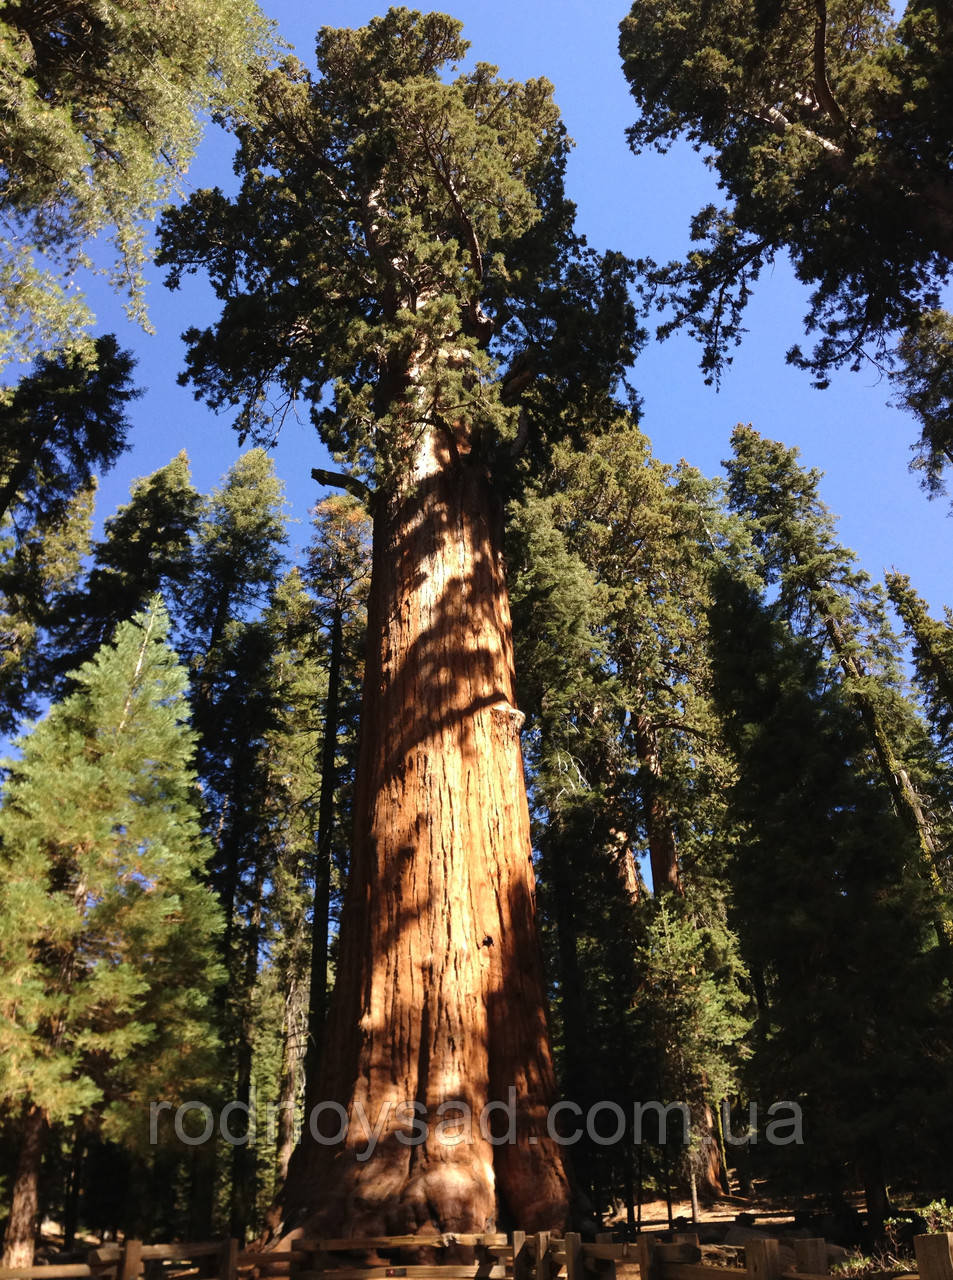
(386, 216)
(828, 125)
(59, 424)
(103, 103)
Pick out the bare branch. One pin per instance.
(340, 480)
(771, 115)
(822, 86)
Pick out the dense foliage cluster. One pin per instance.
(103, 103)
(828, 126)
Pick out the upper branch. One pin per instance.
(341, 480)
(822, 85)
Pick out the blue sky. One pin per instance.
(640, 205)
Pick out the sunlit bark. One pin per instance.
(439, 1003)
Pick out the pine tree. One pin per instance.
(239, 554)
(279, 765)
(237, 560)
(611, 597)
(237, 557)
(41, 570)
(63, 421)
(295, 752)
(932, 655)
(338, 574)
(572, 759)
(690, 1013)
(106, 930)
(59, 425)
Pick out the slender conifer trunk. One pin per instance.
(244, 1156)
(19, 1240)
(292, 1055)
(73, 1183)
(439, 1002)
(318, 990)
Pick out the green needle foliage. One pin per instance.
(107, 934)
(825, 596)
(148, 548)
(852, 1004)
(61, 424)
(828, 125)
(393, 228)
(41, 571)
(932, 656)
(239, 552)
(103, 103)
(610, 587)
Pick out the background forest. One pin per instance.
(738, 742)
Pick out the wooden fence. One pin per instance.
(494, 1257)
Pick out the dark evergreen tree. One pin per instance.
(932, 655)
(823, 595)
(148, 547)
(627, 761)
(60, 425)
(294, 749)
(835, 932)
(338, 575)
(41, 571)
(239, 554)
(237, 558)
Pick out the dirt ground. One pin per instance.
(766, 1210)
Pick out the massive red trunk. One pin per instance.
(439, 1002)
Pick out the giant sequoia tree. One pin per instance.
(829, 126)
(401, 254)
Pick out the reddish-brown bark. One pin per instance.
(439, 997)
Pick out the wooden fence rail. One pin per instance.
(494, 1257)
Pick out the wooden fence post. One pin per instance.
(762, 1259)
(574, 1265)
(647, 1265)
(544, 1263)
(130, 1260)
(934, 1256)
(607, 1269)
(228, 1260)
(810, 1256)
(518, 1240)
